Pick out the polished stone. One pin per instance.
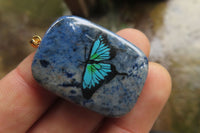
(91, 66)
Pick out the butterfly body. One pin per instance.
(98, 72)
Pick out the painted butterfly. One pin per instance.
(97, 72)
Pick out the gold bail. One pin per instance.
(35, 41)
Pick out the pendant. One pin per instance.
(88, 65)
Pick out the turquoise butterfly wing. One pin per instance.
(96, 71)
(100, 50)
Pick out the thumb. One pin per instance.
(22, 100)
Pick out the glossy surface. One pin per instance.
(66, 54)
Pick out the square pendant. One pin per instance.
(84, 63)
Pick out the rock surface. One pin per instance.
(91, 66)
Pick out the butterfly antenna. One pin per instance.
(124, 74)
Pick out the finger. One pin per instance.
(137, 38)
(73, 118)
(66, 117)
(22, 100)
(149, 105)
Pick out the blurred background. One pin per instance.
(172, 26)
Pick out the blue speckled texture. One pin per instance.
(57, 66)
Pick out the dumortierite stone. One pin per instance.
(91, 66)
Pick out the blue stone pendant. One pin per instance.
(91, 66)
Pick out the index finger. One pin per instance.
(137, 38)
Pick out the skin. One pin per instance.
(26, 107)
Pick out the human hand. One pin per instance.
(27, 107)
